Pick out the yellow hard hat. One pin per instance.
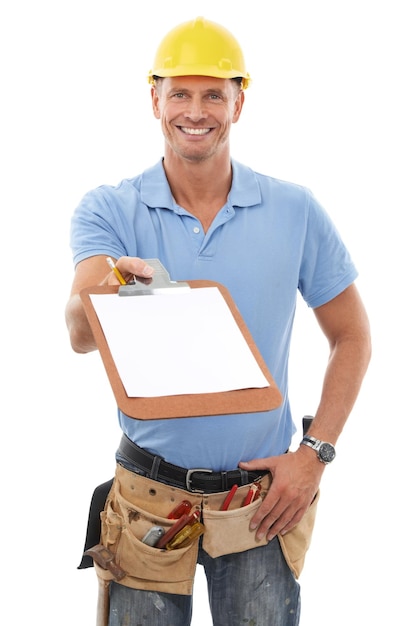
(200, 48)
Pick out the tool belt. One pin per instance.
(136, 503)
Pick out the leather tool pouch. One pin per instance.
(295, 543)
(134, 505)
(228, 531)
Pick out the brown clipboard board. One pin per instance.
(185, 405)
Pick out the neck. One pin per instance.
(200, 187)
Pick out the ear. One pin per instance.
(155, 102)
(239, 103)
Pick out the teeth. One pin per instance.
(195, 131)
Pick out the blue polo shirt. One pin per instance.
(270, 240)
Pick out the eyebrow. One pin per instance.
(218, 92)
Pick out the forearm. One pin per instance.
(296, 475)
(349, 359)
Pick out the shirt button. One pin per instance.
(196, 229)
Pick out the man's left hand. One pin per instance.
(296, 477)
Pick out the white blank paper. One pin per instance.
(173, 343)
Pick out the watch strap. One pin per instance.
(312, 442)
(325, 451)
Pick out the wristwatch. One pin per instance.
(324, 450)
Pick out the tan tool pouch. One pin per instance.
(136, 503)
(229, 531)
(295, 543)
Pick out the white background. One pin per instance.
(333, 106)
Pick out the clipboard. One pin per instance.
(246, 400)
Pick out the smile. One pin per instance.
(195, 131)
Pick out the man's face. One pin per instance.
(196, 113)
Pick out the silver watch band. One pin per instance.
(325, 451)
(312, 442)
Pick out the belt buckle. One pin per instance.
(189, 479)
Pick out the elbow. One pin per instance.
(79, 349)
(79, 342)
(81, 338)
(365, 339)
(360, 348)
(79, 331)
(368, 349)
(82, 347)
(354, 347)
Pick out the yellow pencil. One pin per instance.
(116, 271)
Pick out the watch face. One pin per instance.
(326, 452)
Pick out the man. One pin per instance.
(206, 216)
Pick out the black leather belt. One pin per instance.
(197, 480)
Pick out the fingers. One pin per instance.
(134, 266)
(131, 266)
(272, 516)
(278, 522)
(282, 508)
(259, 464)
(294, 485)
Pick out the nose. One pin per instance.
(196, 109)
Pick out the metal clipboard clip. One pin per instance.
(159, 281)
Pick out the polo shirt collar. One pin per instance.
(155, 190)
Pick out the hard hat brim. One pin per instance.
(202, 71)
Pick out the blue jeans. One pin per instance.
(255, 587)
